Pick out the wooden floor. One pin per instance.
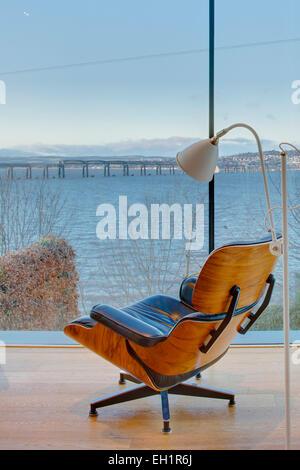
(45, 394)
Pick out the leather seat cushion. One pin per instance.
(147, 322)
(86, 322)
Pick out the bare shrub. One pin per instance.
(28, 211)
(38, 286)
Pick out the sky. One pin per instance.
(151, 105)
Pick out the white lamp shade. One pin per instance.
(199, 160)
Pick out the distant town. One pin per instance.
(249, 162)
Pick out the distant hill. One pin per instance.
(165, 147)
(145, 147)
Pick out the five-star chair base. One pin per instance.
(142, 391)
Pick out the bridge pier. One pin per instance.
(85, 170)
(28, 173)
(107, 169)
(45, 172)
(61, 170)
(125, 170)
(158, 169)
(10, 173)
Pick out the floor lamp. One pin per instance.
(286, 307)
(199, 162)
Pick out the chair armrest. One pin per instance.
(252, 317)
(127, 326)
(186, 290)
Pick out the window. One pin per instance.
(96, 100)
(256, 75)
(85, 81)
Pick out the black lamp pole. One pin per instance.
(211, 197)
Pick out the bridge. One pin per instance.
(86, 165)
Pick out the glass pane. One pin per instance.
(257, 46)
(106, 81)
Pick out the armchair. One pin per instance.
(161, 342)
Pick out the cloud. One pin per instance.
(148, 147)
(142, 147)
(243, 145)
